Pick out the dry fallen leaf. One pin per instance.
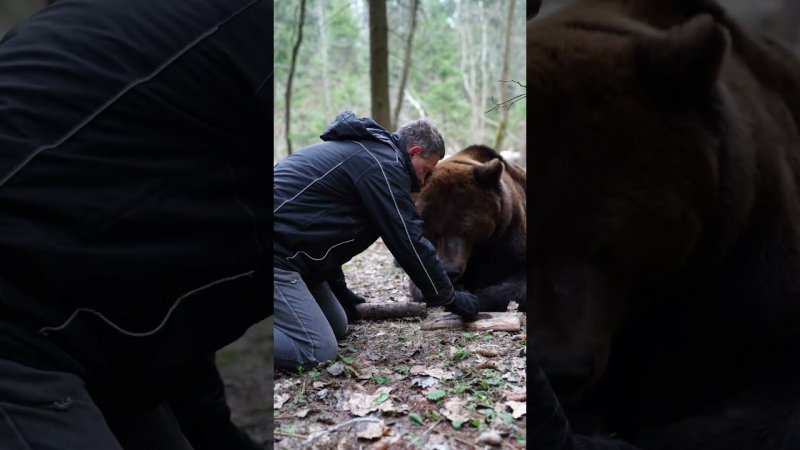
(518, 409)
(280, 399)
(519, 337)
(456, 410)
(373, 430)
(424, 382)
(440, 374)
(302, 413)
(417, 370)
(510, 377)
(336, 369)
(360, 404)
(366, 372)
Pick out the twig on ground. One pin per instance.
(284, 433)
(471, 445)
(319, 434)
(418, 440)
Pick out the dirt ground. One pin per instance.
(246, 369)
(396, 386)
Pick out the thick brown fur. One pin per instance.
(473, 207)
(664, 158)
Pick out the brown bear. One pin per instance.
(473, 208)
(664, 162)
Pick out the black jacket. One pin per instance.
(134, 153)
(332, 200)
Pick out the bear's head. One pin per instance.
(471, 200)
(623, 138)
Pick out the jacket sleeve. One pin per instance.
(386, 198)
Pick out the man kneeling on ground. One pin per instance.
(334, 199)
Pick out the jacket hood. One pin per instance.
(346, 126)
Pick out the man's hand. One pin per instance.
(349, 300)
(465, 305)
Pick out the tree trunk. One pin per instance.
(379, 62)
(323, 35)
(391, 310)
(502, 126)
(406, 65)
(295, 50)
(474, 63)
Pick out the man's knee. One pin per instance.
(290, 353)
(327, 351)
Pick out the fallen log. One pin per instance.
(390, 310)
(496, 321)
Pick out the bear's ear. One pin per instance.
(685, 62)
(488, 174)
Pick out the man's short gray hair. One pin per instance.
(423, 132)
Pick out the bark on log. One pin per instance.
(391, 310)
(496, 321)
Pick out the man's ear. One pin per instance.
(414, 150)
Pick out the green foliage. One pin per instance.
(415, 418)
(382, 398)
(379, 379)
(404, 370)
(436, 394)
(461, 354)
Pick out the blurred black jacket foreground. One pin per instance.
(133, 179)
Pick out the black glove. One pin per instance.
(349, 300)
(346, 297)
(465, 305)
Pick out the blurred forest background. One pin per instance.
(445, 59)
(398, 60)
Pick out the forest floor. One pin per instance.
(396, 386)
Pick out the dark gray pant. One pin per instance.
(308, 321)
(50, 410)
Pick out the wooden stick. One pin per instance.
(497, 321)
(390, 310)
